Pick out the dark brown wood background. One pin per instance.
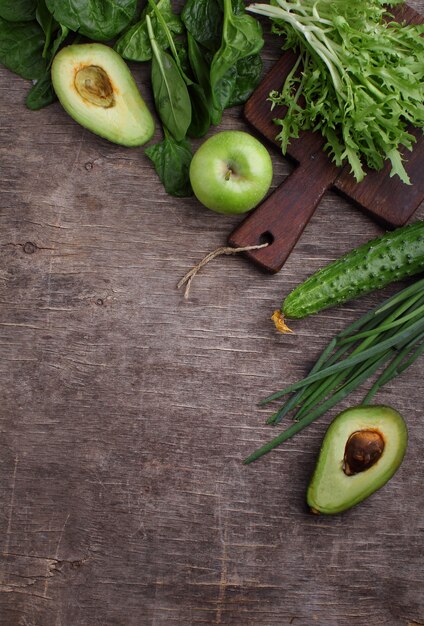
(125, 410)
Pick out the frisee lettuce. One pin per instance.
(359, 79)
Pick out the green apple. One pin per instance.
(231, 172)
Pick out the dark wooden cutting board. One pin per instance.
(281, 218)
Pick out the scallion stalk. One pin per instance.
(391, 333)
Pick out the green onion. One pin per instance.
(392, 334)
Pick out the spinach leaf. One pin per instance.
(237, 84)
(18, 10)
(21, 47)
(172, 160)
(203, 19)
(200, 116)
(42, 93)
(238, 7)
(47, 23)
(222, 94)
(198, 63)
(200, 103)
(178, 49)
(241, 38)
(59, 40)
(134, 44)
(248, 75)
(97, 20)
(200, 112)
(169, 90)
(204, 112)
(226, 65)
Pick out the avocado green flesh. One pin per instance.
(331, 490)
(126, 120)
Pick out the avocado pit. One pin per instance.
(363, 449)
(93, 84)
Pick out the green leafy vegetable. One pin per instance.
(134, 44)
(203, 20)
(58, 41)
(198, 63)
(200, 113)
(21, 47)
(361, 83)
(201, 70)
(248, 74)
(42, 93)
(18, 10)
(172, 156)
(392, 334)
(47, 23)
(241, 38)
(232, 72)
(169, 90)
(172, 160)
(200, 116)
(98, 20)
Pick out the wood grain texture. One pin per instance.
(126, 411)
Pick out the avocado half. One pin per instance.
(361, 450)
(96, 88)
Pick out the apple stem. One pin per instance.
(228, 174)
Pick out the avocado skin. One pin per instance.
(128, 122)
(330, 490)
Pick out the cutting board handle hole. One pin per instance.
(267, 238)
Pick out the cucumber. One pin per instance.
(395, 255)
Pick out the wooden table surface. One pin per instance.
(126, 410)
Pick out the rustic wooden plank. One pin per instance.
(126, 410)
